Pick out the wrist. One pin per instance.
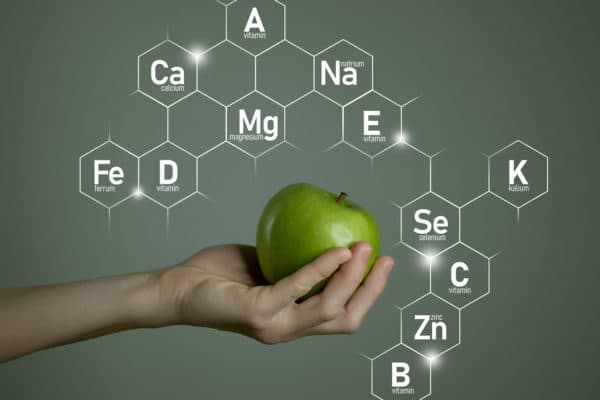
(153, 303)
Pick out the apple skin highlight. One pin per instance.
(301, 222)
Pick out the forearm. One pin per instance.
(40, 317)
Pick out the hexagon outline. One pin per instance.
(167, 40)
(181, 147)
(459, 310)
(158, 202)
(227, 24)
(518, 141)
(402, 228)
(394, 144)
(488, 261)
(312, 56)
(409, 349)
(81, 191)
(283, 108)
(401, 142)
(371, 86)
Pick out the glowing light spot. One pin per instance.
(138, 193)
(433, 359)
(400, 138)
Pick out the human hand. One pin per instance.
(222, 287)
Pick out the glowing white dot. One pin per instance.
(430, 259)
(138, 193)
(400, 138)
(433, 359)
(199, 55)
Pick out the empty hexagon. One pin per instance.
(226, 73)
(138, 123)
(430, 224)
(322, 130)
(167, 73)
(285, 72)
(343, 72)
(400, 373)
(460, 275)
(108, 174)
(408, 169)
(459, 174)
(430, 326)
(518, 174)
(197, 124)
(168, 174)
(255, 124)
(372, 123)
(256, 25)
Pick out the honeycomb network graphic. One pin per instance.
(253, 114)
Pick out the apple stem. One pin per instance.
(341, 198)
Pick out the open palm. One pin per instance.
(223, 287)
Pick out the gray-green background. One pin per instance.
(489, 72)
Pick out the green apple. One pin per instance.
(301, 222)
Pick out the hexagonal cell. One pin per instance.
(519, 173)
(284, 73)
(372, 123)
(460, 275)
(256, 25)
(108, 174)
(226, 73)
(460, 174)
(222, 169)
(411, 280)
(167, 72)
(322, 130)
(400, 373)
(408, 169)
(138, 123)
(430, 326)
(343, 72)
(255, 124)
(197, 124)
(489, 224)
(430, 224)
(168, 174)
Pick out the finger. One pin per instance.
(360, 303)
(342, 284)
(368, 293)
(347, 278)
(294, 286)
